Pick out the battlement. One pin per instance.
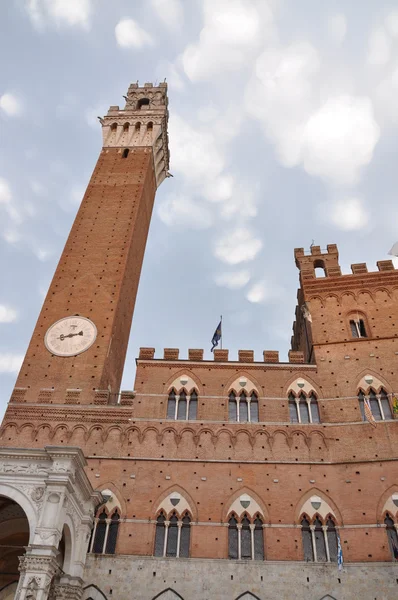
(244, 356)
(328, 261)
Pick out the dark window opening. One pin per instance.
(232, 407)
(142, 102)
(100, 531)
(125, 153)
(357, 327)
(112, 534)
(159, 535)
(392, 535)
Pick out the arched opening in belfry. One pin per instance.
(142, 103)
(320, 270)
(14, 536)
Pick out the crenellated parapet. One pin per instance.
(222, 356)
(142, 123)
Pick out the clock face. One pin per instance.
(70, 336)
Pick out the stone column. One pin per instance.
(239, 527)
(252, 527)
(37, 572)
(312, 528)
(325, 535)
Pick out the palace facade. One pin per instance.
(211, 480)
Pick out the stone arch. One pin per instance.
(8, 591)
(292, 385)
(25, 503)
(174, 380)
(93, 592)
(328, 507)
(378, 382)
(247, 596)
(168, 594)
(117, 499)
(233, 505)
(14, 537)
(164, 503)
(251, 384)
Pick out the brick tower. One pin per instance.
(97, 277)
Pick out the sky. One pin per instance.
(283, 132)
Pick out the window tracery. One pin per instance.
(319, 539)
(245, 537)
(105, 532)
(303, 408)
(182, 406)
(172, 537)
(379, 404)
(242, 407)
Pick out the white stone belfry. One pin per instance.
(52, 489)
(142, 123)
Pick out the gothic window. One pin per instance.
(379, 405)
(171, 405)
(232, 407)
(172, 537)
(185, 536)
(331, 539)
(391, 534)
(314, 409)
(232, 538)
(243, 407)
(358, 329)
(303, 407)
(112, 533)
(319, 540)
(99, 534)
(293, 409)
(245, 538)
(160, 535)
(258, 539)
(182, 406)
(253, 408)
(307, 540)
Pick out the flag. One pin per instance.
(216, 337)
(368, 412)
(394, 550)
(395, 405)
(339, 553)
(306, 312)
(394, 250)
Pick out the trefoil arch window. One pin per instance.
(379, 405)
(319, 539)
(243, 408)
(172, 537)
(105, 532)
(182, 406)
(245, 538)
(303, 409)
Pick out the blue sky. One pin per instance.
(283, 130)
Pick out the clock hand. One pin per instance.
(69, 335)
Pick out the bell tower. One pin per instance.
(79, 344)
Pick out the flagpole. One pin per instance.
(221, 331)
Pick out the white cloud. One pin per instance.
(10, 363)
(379, 50)
(170, 12)
(234, 280)
(129, 34)
(263, 291)
(7, 202)
(11, 236)
(41, 253)
(183, 211)
(10, 105)
(339, 139)
(237, 246)
(70, 13)
(392, 23)
(7, 314)
(348, 214)
(337, 25)
(232, 30)
(386, 97)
